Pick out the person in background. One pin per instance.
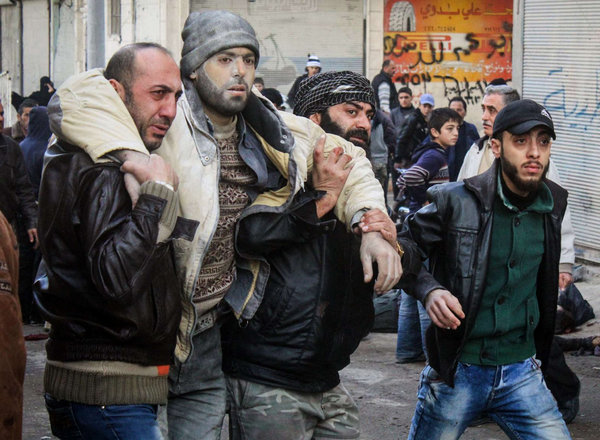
(414, 132)
(19, 130)
(467, 134)
(386, 95)
(33, 148)
(313, 66)
(275, 97)
(383, 141)
(17, 199)
(430, 168)
(259, 83)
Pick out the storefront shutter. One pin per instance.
(561, 70)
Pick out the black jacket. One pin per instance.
(412, 134)
(16, 192)
(107, 287)
(383, 77)
(316, 307)
(455, 230)
(291, 96)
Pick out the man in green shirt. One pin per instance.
(494, 247)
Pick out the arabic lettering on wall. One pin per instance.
(454, 47)
(577, 110)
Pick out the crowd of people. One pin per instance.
(191, 244)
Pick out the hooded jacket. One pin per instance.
(277, 146)
(455, 231)
(34, 145)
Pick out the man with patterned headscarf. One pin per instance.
(241, 164)
(282, 368)
(342, 103)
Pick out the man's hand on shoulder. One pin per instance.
(444, 309)
(374, 248)
(329, 174)
(143, 169)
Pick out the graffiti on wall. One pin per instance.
(461, 45)
(578, 110)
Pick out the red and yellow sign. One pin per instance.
(439, 40)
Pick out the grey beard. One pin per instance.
(214, 97)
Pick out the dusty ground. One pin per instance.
(384, 391)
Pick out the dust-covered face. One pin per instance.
(224, 81)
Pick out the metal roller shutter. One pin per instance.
(289, 30)
(561, 70)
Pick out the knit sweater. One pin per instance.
(218, 268)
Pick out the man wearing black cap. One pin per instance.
(494, 246)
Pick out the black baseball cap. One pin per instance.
(520, 116)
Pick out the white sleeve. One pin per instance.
(384, 96)
(567, 234)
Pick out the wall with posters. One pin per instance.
(449, 48)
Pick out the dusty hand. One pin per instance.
(33, 237)
(377, 220)
(329, 174)
(374, 248)
(564, 279)
(444, 309)
(153, 168)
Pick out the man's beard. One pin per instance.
(215, 97)
(330, 126)
(141, 124)
(512, 173)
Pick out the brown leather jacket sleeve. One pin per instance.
(12, 346)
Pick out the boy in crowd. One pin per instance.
(431, 159)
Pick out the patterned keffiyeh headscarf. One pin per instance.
(323, 90)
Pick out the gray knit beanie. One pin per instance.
(206, 33)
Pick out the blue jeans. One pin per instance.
(514, 396)
(413, 321)
(75, 421)
(197, 391)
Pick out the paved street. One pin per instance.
(384, 391)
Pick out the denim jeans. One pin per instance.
(197, 391)
(75, 421)
(514, 396)
(413, 321)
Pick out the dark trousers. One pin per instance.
(29, 260)
(560, 379)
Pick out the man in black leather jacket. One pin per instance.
(107, 283)
(283, 366)
(494, 248)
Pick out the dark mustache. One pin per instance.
(358, 133)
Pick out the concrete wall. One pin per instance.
(36, 43)
(374, 40)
